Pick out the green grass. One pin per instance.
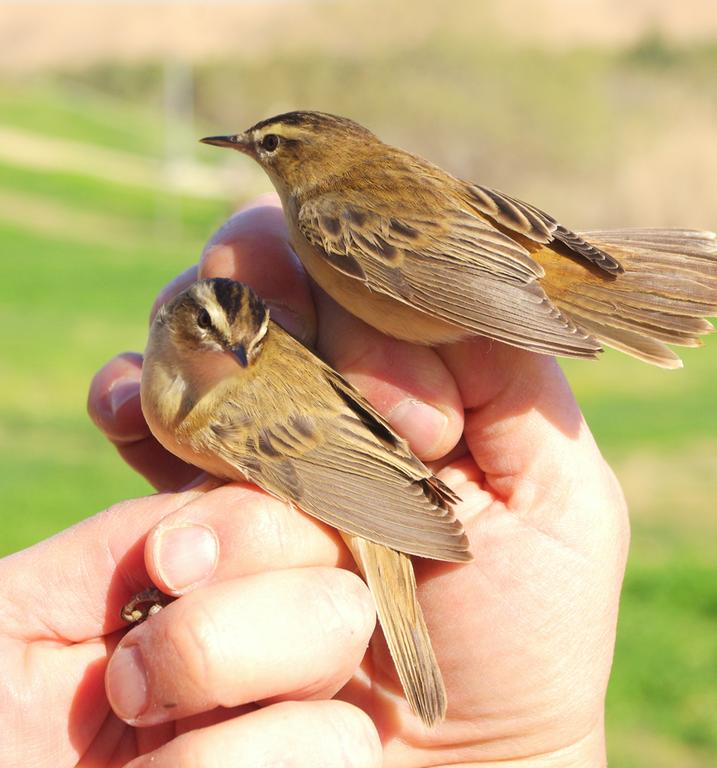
(138, 205)
(658, 429)
(83, 259)
(74, 114)
(88, 256)
(664, 676)
(631, 406)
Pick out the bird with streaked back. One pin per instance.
(228, 390)
(422, 256)
(429, 258)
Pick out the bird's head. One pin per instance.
(218, 315)
(300, 149)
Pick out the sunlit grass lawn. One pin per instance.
(82, 261)
(659, 431)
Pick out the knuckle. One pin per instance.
(355, 736)
(192, 639)
(342, 603)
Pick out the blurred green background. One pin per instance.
(599, 114)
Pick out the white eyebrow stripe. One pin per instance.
(261, 331)
(207, 298)
(219, 318)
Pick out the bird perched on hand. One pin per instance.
(228, 390)
(429, 258)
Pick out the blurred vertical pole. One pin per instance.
(178, 130)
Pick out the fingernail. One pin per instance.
(186, 555)
(217, 259)
(127, 688)
(421, 424)
(121, 392)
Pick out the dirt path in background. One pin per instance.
(47, 153)
(66, 220)
(40, 152)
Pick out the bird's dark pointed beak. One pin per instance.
(239, 141)
(239, 351)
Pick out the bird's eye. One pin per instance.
(270, 142)
(203, 319)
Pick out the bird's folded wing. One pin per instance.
(525, 219)
(342, 463)
(354, 234)
(454, 265)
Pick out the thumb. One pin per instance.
(72, 586)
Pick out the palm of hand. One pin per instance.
(524, 634)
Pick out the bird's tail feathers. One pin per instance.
(667, 290)
(389, 575)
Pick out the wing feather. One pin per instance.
(343, 464)
(541, 227)
(459, 267)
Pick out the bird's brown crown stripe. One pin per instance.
(232, 296)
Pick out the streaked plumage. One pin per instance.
(231, 392)
(427, 257)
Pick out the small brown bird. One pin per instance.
(228, 390)
(429, 258)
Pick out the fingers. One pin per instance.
(235, 530)
(295, 633)
(113, 404)
(312, 734)
(520, 409)
(88, 572)
(527, 435)
(409, 385)
(253, 247)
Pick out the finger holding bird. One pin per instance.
(403, 388)
(426, 258)
(408, 385)
(229, 390)
(378, 364)
(226, 389)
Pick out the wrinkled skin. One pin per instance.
(267, 611)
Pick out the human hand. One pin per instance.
(524, 635)
(297, 633)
